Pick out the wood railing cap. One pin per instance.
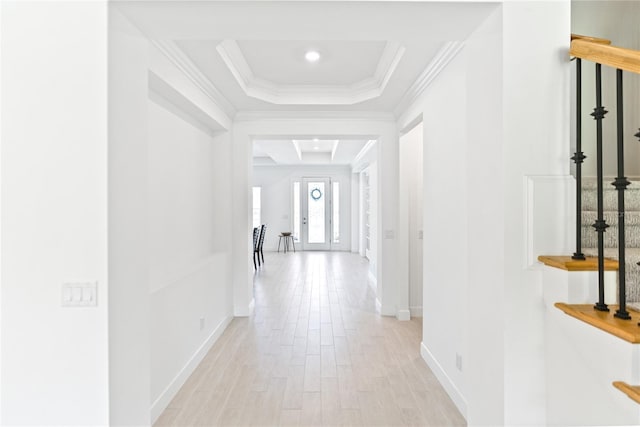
(590, 39)
(616, 57)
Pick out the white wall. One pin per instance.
(54, 212)
(616, 21)
(480, 151)
(129, 305)
(189, 253)
(276, 196)
(169, 243)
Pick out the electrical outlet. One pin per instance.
(459, 362)
(201, 323)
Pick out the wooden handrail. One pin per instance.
(590, 39)
(616, 57)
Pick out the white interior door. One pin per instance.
(316, 214)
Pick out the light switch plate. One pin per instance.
(80, 294)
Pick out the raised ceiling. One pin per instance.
(374, 54)
(376, 57)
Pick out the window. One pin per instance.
(256, 207)
(296, 211)
(335, 216)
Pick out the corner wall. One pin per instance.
(169, 243)
(496, 144)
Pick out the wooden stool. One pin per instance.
(287, 238)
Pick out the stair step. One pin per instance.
(610, 195)
(611, 217)
(631, 233)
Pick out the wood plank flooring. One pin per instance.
(314, 353)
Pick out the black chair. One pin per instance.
(263, 231)
(256, 239)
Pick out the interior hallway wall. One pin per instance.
(169, 241)
(54, 365)
(276, 183)
(495, 198)
(189, 253)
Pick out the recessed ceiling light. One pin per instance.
(315, 140)
(312, 56)
(316, 148)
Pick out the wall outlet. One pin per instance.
(201, 323)
(459, 362)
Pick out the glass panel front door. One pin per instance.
(316, 224)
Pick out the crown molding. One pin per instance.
(444, 56)
(264, 90)
(254, 115)
(189, 69)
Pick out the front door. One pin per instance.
(316, 214)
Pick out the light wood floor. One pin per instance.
(314, 353)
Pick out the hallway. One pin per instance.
(314, 352)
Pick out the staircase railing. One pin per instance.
(600, 52)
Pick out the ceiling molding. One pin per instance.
(279, 94)
(253, 115)
(184, 64)
(363, 152)
(444, 56)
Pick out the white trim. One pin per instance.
(161, 403)
(184, 64)
(378, 306)
(446, 53)
(416, 311)
(252, 306)
(446, 382)
(281, 94)
(403, 315)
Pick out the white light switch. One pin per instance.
(79, 294)
(389, 234)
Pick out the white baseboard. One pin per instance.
(416, 311)
(443, 378)
(403, 315)
(174, 386)
(252, 306)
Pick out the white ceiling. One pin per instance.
(282, 61)
(374, 54)
(268, 152)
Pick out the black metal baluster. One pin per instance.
(578, 158)
(600, 225)
(621, 184)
